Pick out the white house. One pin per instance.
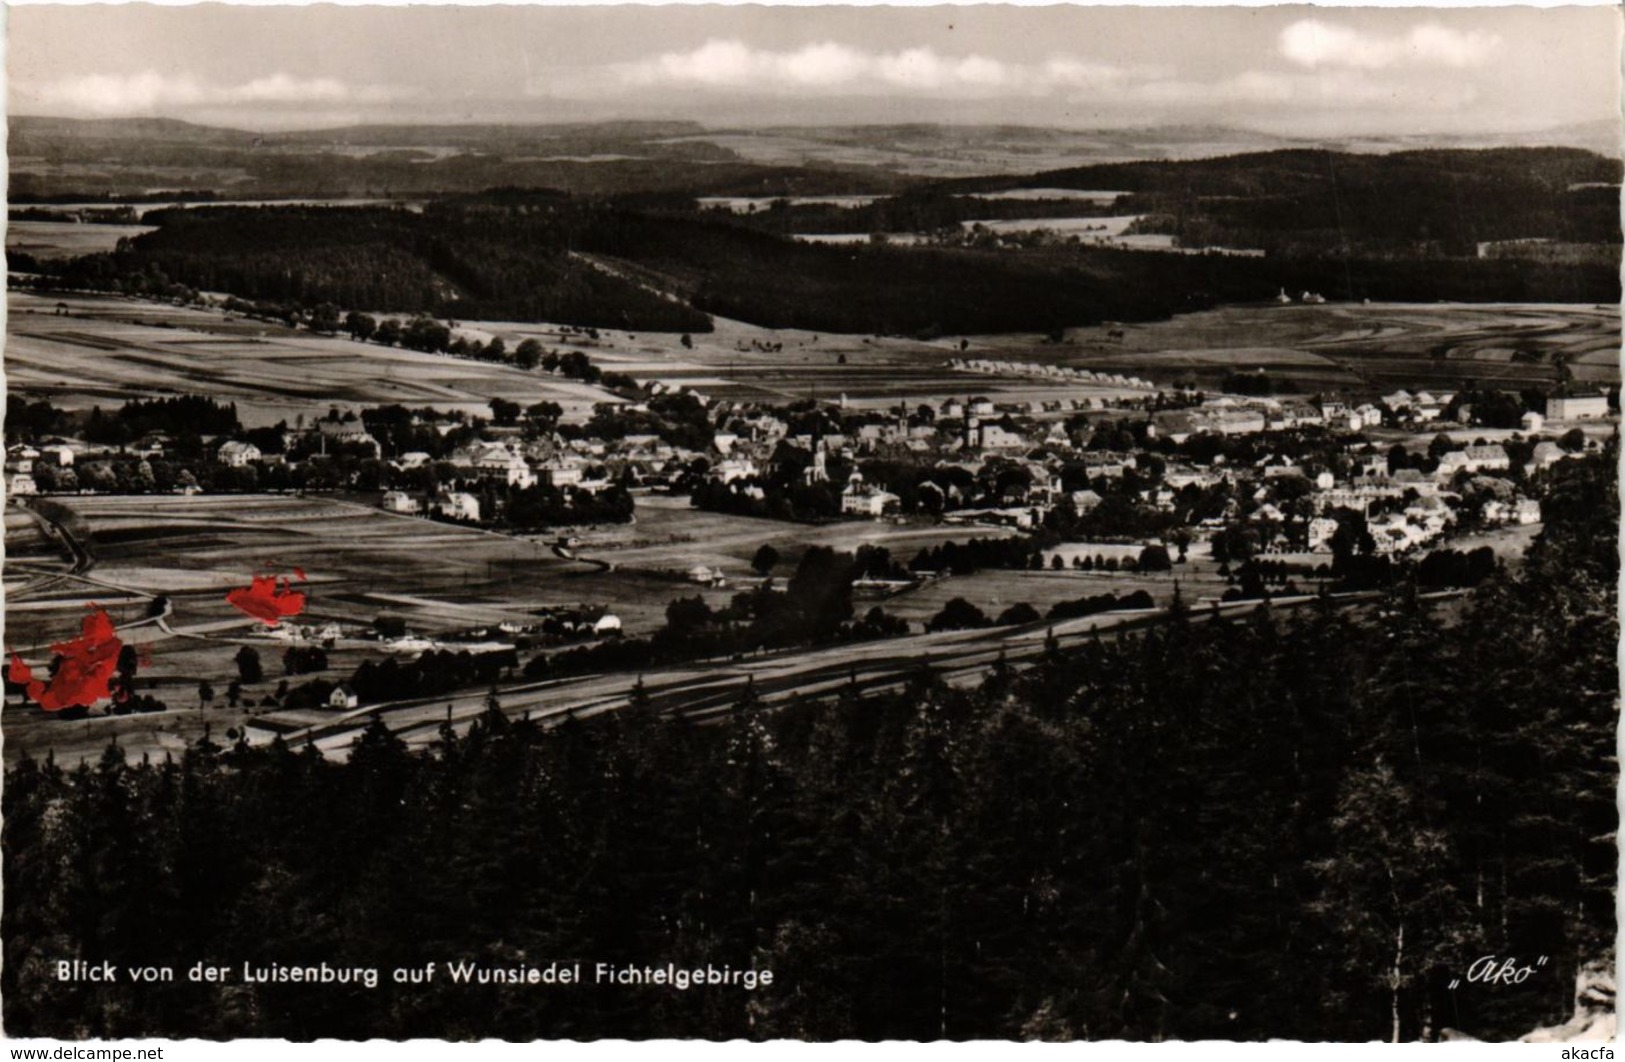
(59, 456)
(1474, 459)
(558, 474)
(21, 484)
(343, 697)
(861, 500)
(398, 501)
(1577, 407)
(993, 437)
(459, 505)
(237, 454)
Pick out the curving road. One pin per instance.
(708, 689)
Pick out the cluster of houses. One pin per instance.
(20, 462)
(748, 441)
(1033, 370)
(1228, 415)
(1404, 509)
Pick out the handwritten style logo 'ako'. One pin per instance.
(269, 599)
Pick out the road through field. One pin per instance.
(710, 688)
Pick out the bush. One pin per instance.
(958, 615)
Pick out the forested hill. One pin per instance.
(1276, 199)
(1280, 827)
(531, 254)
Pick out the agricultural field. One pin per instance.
(744, 362)
(670, 536)
(1370, 348)
(83, 350)
(1343, 347)
(995, 591)
(64, 239)
(361, 562)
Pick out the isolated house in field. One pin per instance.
(21, 485)
(398, 501)
(343, 698)
(237, 454)
(706, 575)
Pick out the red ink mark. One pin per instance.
(299, 573)
(269, 599)
(85, 671)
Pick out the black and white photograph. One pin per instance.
(811, 523)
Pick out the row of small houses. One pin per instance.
(1033, 369)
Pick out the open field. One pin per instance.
(731, 362)
(1351, 347)
(669, 535)
(64, 239)
(995, 591)
(362, 562)
(1344, 347)
(108, 349)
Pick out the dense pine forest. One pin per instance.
(604, 263)
(1405, 203)
(1302, 826)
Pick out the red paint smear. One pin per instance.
(299, 573)
(87, 667)
(269, 600)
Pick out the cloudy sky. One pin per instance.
(1293, 70)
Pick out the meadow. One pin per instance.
(108, 349)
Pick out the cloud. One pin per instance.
(150, 91)
(834, 67)
(1312, 42)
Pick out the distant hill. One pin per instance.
(27, 128)
(487, 135)
(1437, 201)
